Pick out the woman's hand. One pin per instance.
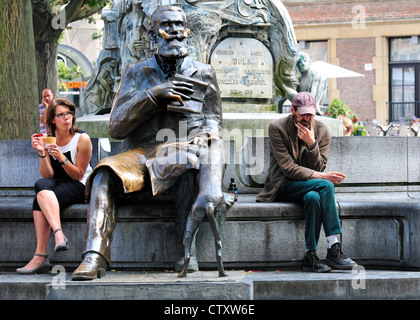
(54, 151)
(38, 144)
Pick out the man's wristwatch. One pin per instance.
(64, 161)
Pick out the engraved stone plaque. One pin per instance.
(244, 68)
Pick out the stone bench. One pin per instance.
(378, 205)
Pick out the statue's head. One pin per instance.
(304, 62)
(167, 28)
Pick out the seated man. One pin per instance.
(298, 156)
(168, 96)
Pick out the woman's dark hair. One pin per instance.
(64, 102)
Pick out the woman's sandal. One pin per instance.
(44, 267)
(62, 246)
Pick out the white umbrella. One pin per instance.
(332, 71)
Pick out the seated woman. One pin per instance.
(64, 166)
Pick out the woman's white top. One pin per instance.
(72, 148)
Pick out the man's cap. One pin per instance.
(305, 103)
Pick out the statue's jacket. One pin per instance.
(153, 136)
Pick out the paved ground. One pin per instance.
(206, 285)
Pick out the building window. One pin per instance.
(404, 72)
(317, 50)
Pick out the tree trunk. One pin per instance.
(46, 46)
(46, 62)
(19, 114)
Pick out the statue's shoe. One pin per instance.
(93, 266)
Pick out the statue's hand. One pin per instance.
(201, 140)
(173, 90)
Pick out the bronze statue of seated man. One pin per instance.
(168, 96)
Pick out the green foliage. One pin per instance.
(359, 129)
(86, 10)
(66, 73)
(338, 108)
(98, 34)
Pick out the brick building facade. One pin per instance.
(357, 36)
(357, 92)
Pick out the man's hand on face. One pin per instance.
(307, 135)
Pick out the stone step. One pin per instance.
(206, 285)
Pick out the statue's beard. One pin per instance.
(174, 49)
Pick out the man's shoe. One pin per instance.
(93, 266)
(311, 263)
(336, 259)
